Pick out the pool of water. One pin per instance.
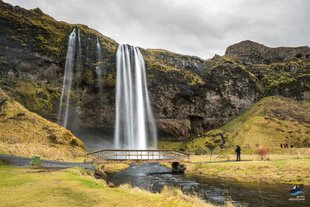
(153, 177)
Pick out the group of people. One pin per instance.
(286, 146)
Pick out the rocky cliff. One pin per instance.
(249, 52)
(188, 94)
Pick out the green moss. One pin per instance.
(110, 80)
(171, 145)
(35, 97)
(203, 145)
(288, 77)
(306, 103)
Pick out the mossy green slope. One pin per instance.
(25, 133)
(270, 122)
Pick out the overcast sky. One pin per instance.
(193, 27)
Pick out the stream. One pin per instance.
(153, 177)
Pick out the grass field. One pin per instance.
(278, 169)
(73, 187)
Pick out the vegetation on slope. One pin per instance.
(172, 65)
(290, 78)
(25, 133)
(40, 32)
(270, 122)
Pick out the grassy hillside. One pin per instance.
(270, 122)
(25, 133)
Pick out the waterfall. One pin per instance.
(79, 51)
(67, 81)
(98, 66)
(99, 58)
(134, 122)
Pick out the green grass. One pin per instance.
(73, 187)
(171, 145)
(273, 171)
(306, 103)
(270, 122)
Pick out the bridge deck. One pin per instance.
(139, 155)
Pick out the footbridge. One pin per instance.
(139, 155)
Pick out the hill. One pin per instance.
(27, 134)
(270, 122)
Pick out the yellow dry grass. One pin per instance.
(112, 167)
(25, 133)
(284, 170)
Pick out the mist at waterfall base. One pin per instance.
(134, 121)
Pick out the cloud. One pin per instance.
(191, 27)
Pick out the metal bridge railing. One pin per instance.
(118, 155)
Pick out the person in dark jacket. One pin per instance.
(238, 153)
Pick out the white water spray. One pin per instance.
(67, 81)
(134, 123)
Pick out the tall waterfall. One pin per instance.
(67, 82)
(134, 123)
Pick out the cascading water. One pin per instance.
(79, 51)
(134, 123)
(67, 82)
(98, 65)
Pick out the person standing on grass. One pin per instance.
(238, 153)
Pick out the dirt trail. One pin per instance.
(26, 162)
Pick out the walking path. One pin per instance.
(26, 162)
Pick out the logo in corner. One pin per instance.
(296, 190)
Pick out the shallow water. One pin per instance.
(153, 177)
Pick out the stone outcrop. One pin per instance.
(249, 52)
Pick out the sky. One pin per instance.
(191, 27)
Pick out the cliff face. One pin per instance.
(188, 94)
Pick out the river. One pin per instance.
(152, 177)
